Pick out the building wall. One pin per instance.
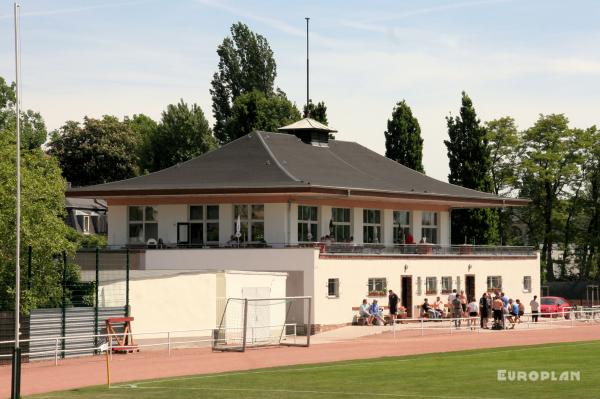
(353, 275)
(117, 224)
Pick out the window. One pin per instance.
(203, 225)
(371, 226)
(429, 230)
(377, 286)
(307, 223)
(401, 226)
(333, 287)
(526, 283)
(430, 285)
(143, 224)
(252, 222)
(494, 283)
(86, 224)
(446, 285)
(340, 219)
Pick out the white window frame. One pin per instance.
(405, 227)
(335, 284)
(204, 221)
(435, 226)
(249, 220)
(142, 222)
(374, 282)
(494, 280)
(377, 226)
(308, 222)
(85, 224)
(527, 284)
(342, 223)
(448, 288)
(428, 289)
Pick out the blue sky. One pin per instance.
(518, 58)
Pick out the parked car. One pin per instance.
(554, 306)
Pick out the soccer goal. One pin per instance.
(256, 322)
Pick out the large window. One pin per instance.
(494, 283)
(203, 225)
(372, 226)
(333, 287)
(429, 227)
(340, 219)
(377, 286)
(307, 223)
(143, 224)
(446, 284)
(401, 226)
(526, 283)
(252, 222)
(431, 285)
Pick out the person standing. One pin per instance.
(498, 309)
(450, 301)
(535, 307)
(463, 302)
(472, 309)
(392, 305)
(483, 311)
(456, 311)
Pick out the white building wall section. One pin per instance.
(357, 225)
(117, 224)
(324, 219)
(416, 225)
(353, 275)
(444, 228)
(168, 217)
(275, 224)
(293, 209)
(225, 222)
(388, 227)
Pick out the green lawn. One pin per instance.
(468, 374)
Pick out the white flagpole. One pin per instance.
(17, 350)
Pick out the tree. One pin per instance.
(144, 129)
(256, 111)
(99, 151)
(551, 156)
(470, 167)
(246, 63)
(42, 226)
(403, 142)
(182, 134)
(316, 111)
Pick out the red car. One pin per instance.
(555, 306)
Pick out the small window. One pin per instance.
(446, 284)
(494, 283)
(86, 224)
(430, 285)
(377, 286)
(333, 287)
(526, 283)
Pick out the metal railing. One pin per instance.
(426, 250)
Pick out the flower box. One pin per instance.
(377, 293)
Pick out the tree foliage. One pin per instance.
(144, 129)
(182, 134)
(403, 142)
(97, 151)
(246, 64)
(316, 111)
(257, 111)
(470, 167)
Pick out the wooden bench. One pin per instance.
(361, 321)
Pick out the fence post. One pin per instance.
(127, 283)
(29, 254)
(64, 304)
(97, 299)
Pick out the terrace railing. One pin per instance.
(426, 250)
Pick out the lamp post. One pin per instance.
(16, 357)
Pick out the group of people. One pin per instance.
(373, 314)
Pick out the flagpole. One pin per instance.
(16, 360)
(307, 71)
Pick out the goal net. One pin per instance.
(255, 322)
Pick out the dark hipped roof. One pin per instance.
(263, 162)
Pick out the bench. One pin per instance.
(361, 321)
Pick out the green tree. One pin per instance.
(552, 157)
(256, 111)
(145, 129)
(246, 63)
(99, 151)
(316, 111)
(470, 167)
(403, 142)
(182, 134)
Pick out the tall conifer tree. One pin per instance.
(403, 142)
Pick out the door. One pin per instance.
(406, 294)
(470, 287)
(258, 328)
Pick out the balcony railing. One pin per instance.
(426, 250)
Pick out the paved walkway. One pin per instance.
(41, 377)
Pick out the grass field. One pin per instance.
(467, 374)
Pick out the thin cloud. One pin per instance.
(76, 9)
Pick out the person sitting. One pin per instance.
(521, 310)
(428, 310)
(513, 313)
(376, 313)
(409, 239)
(438, 305)
(364, 311)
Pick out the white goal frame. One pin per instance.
(221, 342)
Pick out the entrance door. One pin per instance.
(406, 294)
(470, 287)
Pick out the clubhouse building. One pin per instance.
(343, 222)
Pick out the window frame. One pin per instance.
(85, 224)
(336, 224)
(376, 226)
(250, 221)
(204, 221)
(372, 283)
(491, 279)
(308, 222)
(335, 283)
(527, 288)
(428, 289)
(448, 289)
(397, 227)
(143, 223)
(435, 227)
